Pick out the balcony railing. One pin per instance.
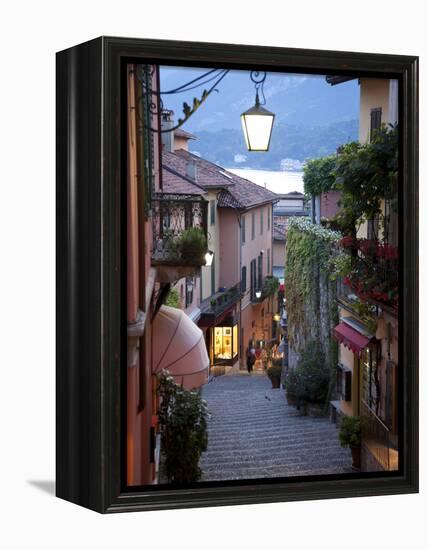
(219, 303)
(374, 272)
(378, 439)
(173, 216)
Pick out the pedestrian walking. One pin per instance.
(251, 359)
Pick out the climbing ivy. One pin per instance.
(310, 288)
(319, 175)
(367, 173)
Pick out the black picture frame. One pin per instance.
(90, 264)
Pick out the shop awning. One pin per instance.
(179, 347)
(351, 338)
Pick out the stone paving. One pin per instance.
(253, 433)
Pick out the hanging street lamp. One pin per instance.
(257, 122)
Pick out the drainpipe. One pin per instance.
(167, 122)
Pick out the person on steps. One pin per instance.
(251, 358)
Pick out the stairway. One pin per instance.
(253, 433)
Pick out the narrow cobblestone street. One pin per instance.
(253, 433)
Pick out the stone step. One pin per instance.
(250, 436)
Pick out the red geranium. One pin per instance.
(348, 242)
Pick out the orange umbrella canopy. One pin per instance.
(179, 347)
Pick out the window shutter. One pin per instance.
(260, 271)
(252, 279)
(375, 120)
(244, 279)
(212, 212)
(347, 385)
(389, 393)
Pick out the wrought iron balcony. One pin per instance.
(215, 307)
(179, 230)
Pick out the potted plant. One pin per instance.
(350, 436)
(274, 374)
(182, 418)
(213, 302)
(193, 246)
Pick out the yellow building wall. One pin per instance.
(374, 93)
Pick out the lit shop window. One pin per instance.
(225, 345)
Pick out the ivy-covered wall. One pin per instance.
(310, 289)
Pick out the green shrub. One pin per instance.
(291, 383)
(319, 176)
(312, 374)
(350, 431)
(193, 246)
(183, 424)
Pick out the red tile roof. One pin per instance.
(208, 175)
(237, 192)
(173, 182)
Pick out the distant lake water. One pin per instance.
(280, 182)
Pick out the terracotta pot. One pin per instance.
(356, 457)
(275, 383)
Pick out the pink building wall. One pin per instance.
(329, 206)
(229, 264)
(261, 242)
(255, 320)
(141, 403)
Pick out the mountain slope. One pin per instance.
(295, 99)
(227, 148)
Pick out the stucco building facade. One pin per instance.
(367, 377)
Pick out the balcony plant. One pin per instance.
(193, 246)
(173, 298)
(373, 273)
(271, 286)
(350, 436)
(274, 373)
